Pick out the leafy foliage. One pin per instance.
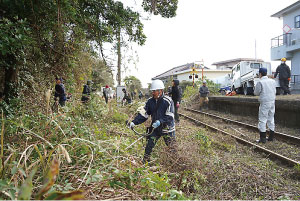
(101, 74)
(87, 140)
(132, 83)
(165, 8)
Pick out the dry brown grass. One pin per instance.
(227, 170)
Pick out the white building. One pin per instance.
(183, 72)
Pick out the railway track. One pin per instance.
(243, 139)
(280, 136)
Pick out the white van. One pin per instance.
(245, 76)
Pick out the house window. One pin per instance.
(297, 21)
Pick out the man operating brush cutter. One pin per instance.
(161, 110)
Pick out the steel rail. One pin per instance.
(292, 139)
(271, 154)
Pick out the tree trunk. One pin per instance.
(10, 83)
(119, 57)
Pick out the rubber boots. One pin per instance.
(271, 136)
(262, 139)
(206, 106)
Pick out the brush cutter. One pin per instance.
(149, 130)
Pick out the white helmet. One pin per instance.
(157, 84)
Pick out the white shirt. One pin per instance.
(266, 89)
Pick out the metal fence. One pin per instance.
(284, 39)
(295, 79)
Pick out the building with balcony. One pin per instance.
(288, 44)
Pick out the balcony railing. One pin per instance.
(295, 79)
(284, 39)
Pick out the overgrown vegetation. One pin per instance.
(41, 40)
(101, 157)
(85, 150)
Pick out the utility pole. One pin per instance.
(119, 57)
(255, 51)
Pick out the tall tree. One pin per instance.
(70, 28)
(132, 83)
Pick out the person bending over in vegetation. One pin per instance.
(126, 97)
(60, 92)
(266, 90)
(86, 92)
(161, 109)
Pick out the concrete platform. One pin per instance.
(287, 111)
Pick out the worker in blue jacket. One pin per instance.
(60, 92)
(86, 92)
(161, 109)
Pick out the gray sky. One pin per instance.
(212, 30)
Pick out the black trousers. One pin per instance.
(106, 99)
(62, 103)
(284, 85)
(169, 139)
(84, 99)
(176, 114)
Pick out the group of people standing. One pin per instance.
(61, 96)
(129, 97)
(164, 109)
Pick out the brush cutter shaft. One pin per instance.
(148, 132)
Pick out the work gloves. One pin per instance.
(156, 124)
(131, 125)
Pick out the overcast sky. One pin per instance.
(208, 30)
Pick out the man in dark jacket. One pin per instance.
(86, 92)
(141, 94)
(126, 97)
(60, 92)
(175, 94)
(203, 95)
(161, 109)
(284, 76)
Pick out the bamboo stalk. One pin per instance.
(2, 135)
(2, 145)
